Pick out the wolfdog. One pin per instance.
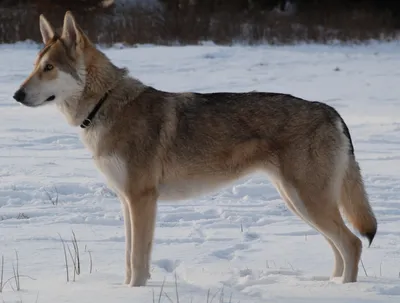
(154, 145)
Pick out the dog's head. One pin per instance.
(59, 73)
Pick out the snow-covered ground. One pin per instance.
(241, 240)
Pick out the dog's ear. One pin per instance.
(71, 33)
(46, 29)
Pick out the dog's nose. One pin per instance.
(19, 95)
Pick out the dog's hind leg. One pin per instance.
(143, 208)
(322, 211)
(339, 265)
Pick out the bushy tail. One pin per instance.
(354, 202)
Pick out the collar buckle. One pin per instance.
(88, 121)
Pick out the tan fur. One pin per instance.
(354, 201)
(153, 145)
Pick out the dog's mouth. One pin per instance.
(51, 98)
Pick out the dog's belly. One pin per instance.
(186, 189)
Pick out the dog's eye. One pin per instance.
(48, 67)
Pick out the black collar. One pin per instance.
(88, 121)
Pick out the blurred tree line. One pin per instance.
(300, 6)
(75, 5)
(221, 21)
(389, 9)
(213, 6)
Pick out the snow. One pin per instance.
(241, 240)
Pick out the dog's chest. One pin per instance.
(114, 169)
(91, 138)
(111, 165)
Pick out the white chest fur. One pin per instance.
(114, 170)
(112, 166)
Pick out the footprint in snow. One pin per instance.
(167, 264)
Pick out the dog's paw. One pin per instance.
(128, 277)
(139, 280)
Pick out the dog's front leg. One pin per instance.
(128, 238)
(143, 208)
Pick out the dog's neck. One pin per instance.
(98, 81)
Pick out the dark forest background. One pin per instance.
(221, 21)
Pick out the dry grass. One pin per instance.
(217, 297)
(52, 195)
(65, 258)
(75, 257)
(2, 274)
(16, 277)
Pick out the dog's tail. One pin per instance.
(354, 200)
